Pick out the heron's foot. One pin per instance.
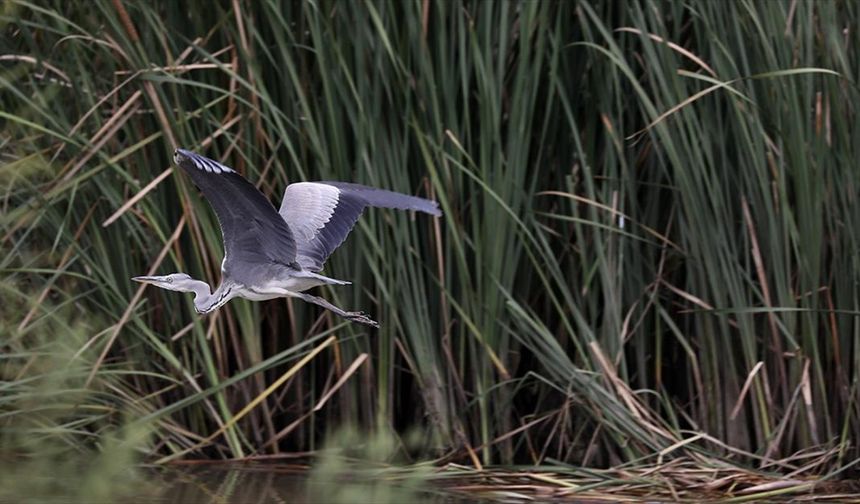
(361, 318)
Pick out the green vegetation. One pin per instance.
(648, 254)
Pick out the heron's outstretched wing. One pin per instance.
(321, 214)
(253, 231)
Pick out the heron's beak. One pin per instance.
(145, 279)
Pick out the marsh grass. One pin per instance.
(61, 439)
(647, 254)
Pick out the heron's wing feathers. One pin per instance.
(253, 231)
(388, 199)
(322, 214)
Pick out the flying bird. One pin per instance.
(272, 253)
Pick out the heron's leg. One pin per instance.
(359, 317)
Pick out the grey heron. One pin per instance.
(272, 253)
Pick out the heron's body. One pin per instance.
(295, 281)
(271, 254)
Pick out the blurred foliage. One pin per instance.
(371, 468)
(61, 441)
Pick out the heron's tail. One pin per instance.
(321, 278)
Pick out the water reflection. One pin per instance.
(259, 483)
(228, 483)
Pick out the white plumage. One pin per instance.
(307, 207)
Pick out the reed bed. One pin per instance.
(648, 256)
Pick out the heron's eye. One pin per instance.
(169, 280)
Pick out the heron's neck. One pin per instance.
(205, 302)
(202, 291)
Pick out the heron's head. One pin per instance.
(176, 282)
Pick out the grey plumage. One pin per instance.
(253, 231)
(346, 202)
(278, 253)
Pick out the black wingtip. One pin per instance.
(180, 155)
(188, 160)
